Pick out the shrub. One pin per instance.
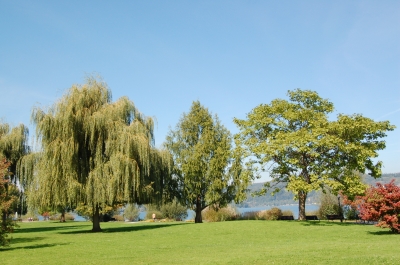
(149, 214)
(6, 201)
(131, 212)
(224, 214)
(382, 204)
(29, 216)
(249, 216)
(312, 212)
(151, 208)
(271, 214)
(119, 218)
(328, 205)
(287, 213)
(57, 216)
(174, 210)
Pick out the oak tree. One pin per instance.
(297, 144)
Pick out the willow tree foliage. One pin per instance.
(298, 145)
(205, 166)
(13, 148)
(96, 152)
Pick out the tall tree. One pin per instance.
(13, 148)
(297, 143)
(96, 152)
(205, 165)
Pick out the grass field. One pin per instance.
(235, 242)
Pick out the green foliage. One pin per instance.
(13, 147)
(174, 210)
(57, 217)
(298, 145)
(153, 208)
(328, 204)
(228, 213)
(131, 212)
(96, 152)
(158, 213)
(105, 213)
(207, 170)
(84, 211)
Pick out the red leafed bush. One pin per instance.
(382, 204)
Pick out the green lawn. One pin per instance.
(235, 242)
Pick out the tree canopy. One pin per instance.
(96, 152)
(298, 145)
(13, 149)
(207, 170)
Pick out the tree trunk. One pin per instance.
(62, 217)
(96, 219)
(198, 218)
(3, 220)
(302, 205)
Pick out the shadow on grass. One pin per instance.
(125, 228)
(324, 223)
(32, 247)
(25, 240)
(383, 233)
(48, 228)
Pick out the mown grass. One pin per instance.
(235, 242)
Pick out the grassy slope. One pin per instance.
(236, 242)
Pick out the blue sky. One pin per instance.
(229, 55)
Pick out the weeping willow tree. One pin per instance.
(96, 152)
(13, 148)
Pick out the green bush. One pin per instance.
(271, 214)
(151, 208)
(328, 205)
(350, 213)
(224, 214)
(174, 210)
(131, 212)
(149, 214)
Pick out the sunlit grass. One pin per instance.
(235, 242)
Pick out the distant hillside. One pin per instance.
(285, 197)
(385, 178)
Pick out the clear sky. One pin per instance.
(229, 55)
